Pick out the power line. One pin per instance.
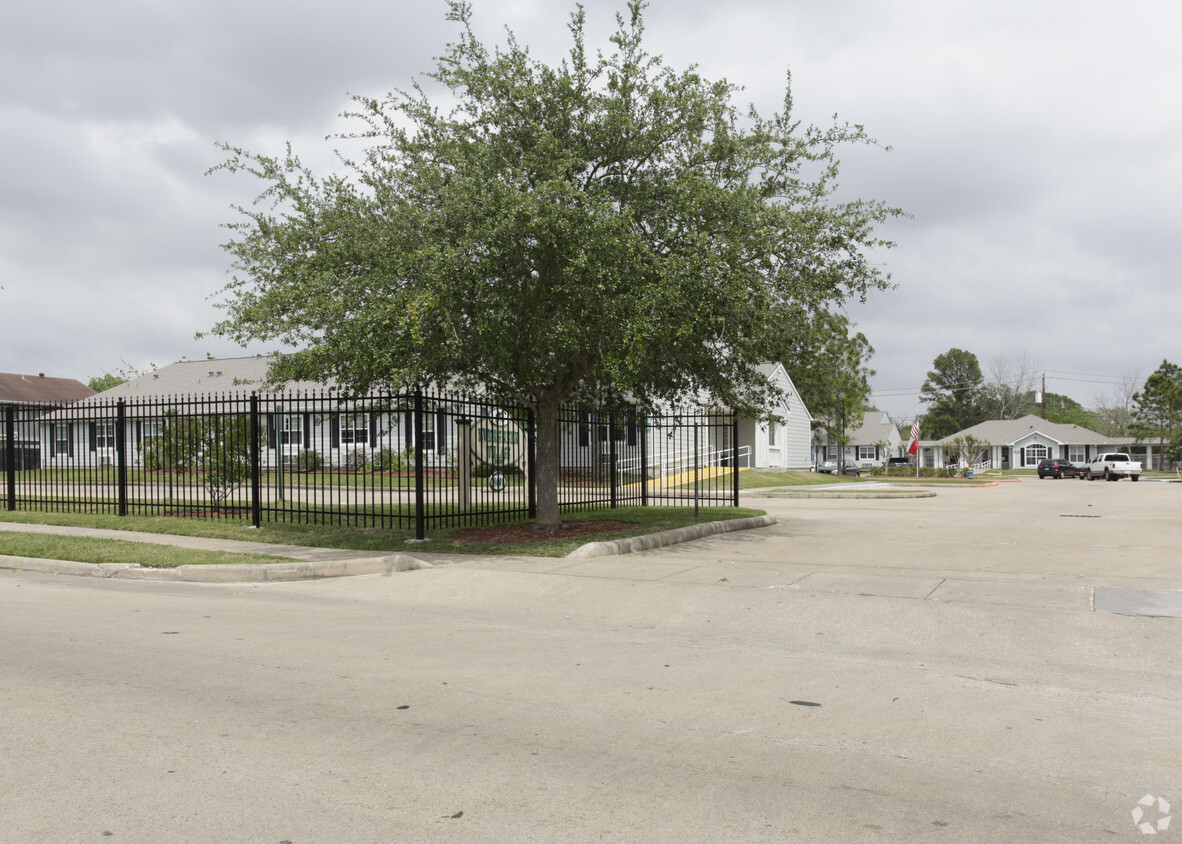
(1086, 374)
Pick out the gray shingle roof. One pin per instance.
(876, 427)
(223, 376)
(1008, 431)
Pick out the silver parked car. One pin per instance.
(830, 467)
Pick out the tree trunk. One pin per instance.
(546, 468)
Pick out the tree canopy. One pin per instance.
(1158, 408)
(827, 361)
(953, 389)
(104, 382)
(600, 228)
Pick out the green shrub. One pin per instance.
(356, 460)
(389, 460)
(309, 461)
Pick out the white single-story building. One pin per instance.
(1023, 443)
(339, 431)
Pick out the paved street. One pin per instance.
(865, 670)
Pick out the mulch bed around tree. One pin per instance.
(510, 534)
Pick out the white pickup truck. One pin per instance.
(1114, 466)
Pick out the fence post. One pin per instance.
(532, 451)
(121, 453)
(10, 453)
(420, 526)
(696, 502)
(613, 475)
(735, 453)
(642, 425)
(256, 466)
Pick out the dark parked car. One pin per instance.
(1056, 468)
(829, 467)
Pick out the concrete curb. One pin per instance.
(317, 569)
(263, 572)
(667, 537)
(919, 493)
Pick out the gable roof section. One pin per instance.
(1010, 431)
(40, 389)
(222, 376)
(876, 427)
(770, 369)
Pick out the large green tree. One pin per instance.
(1157, 409)
(1063, 410)
(953, 390)
(597, 228)
(827, 361)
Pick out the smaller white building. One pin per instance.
(786, 444)
(870, 444)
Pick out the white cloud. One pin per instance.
(1035, 145)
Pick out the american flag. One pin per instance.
(914, 447)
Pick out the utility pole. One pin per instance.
(1044, 395)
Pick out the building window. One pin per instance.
(1075, 453)
(104, 435)
(61, 435)
(771, 434)
(428, 431)
(1035, 454)
(293, 429)
(354, 429)
(867, 452)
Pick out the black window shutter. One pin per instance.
(410, 430)
(307, 430)
(272, 439)
(53, 440)
(440, 430)
(373, 429)
(334, 431)
(93, 430)
(585, 430)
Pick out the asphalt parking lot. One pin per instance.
(935, 669)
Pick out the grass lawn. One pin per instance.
(758, 478)
(86, 550)
(632, 521)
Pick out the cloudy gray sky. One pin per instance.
(1036, 145)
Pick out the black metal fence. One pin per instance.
(410, 461)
